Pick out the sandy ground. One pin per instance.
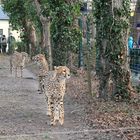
(23, 111)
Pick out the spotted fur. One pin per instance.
(18, 61)
(55, 90)
(53, 84)
(43, 70)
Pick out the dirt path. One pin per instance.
(23, 110)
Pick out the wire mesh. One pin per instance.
(135, 61)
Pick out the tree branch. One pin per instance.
(38, 10)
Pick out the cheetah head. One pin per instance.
(24, 54)
(39, 58)
(25, 57)
(62, 71)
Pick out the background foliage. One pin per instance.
(64, 29)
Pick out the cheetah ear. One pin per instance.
(41, 57)
(64, 70)
(32, 58)
(55, 67)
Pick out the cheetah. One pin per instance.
(43, 70)
(53, 84)
(18, 60)
(55, 89)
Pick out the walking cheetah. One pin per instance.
(53, 84)
(43, 70)
(55, 90)
(18, 60)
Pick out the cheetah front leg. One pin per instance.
(21, 70)
(16, 72)
(52, 112)
(56, 110)
(49, 107)
(11, 67)
(61, 109)
(40, 84)
(48, 100)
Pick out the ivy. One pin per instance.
(112, 26)
(64, 30)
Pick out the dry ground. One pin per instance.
(23, 111)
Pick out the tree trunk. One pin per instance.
(31, 37)
(46, 40)
(112, 35)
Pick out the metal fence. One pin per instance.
(135, 61)
(134, 64)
